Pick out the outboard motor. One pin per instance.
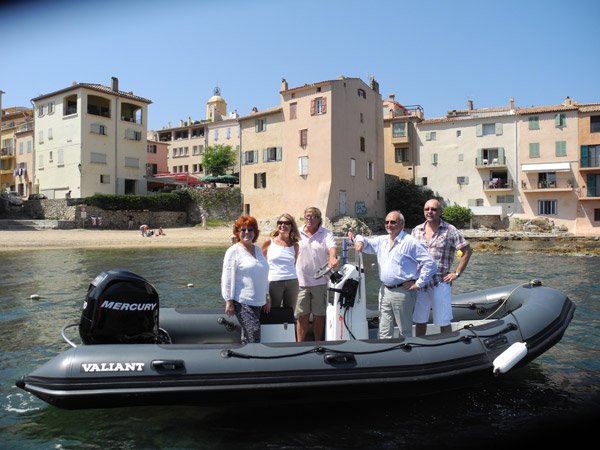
(120, 308)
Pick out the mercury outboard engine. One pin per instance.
(120, 308)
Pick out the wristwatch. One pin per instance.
(457, 274)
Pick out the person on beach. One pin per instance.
(281, 250)
(130, 220)
(244, 281)
(317, 247)
(442, 241)
(144, 230)
(404, 266)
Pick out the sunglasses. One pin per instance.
(431, 209)
(249, 230)
(311, 216)
(284, 222)
(390, 222)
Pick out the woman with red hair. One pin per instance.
(244, 281)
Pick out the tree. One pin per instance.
(457, 215)
(217, 159)
(408, 198)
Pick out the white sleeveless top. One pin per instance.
(281, 262)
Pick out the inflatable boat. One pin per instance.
(135, 353)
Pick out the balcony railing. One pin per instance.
(498, 183)
(7, 151)
(547, 184)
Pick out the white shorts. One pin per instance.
(438, 299)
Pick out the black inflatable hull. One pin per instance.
(206, 363)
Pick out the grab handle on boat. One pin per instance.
(339, 358)
(168, 364)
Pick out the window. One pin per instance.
(399, 129)
(293, 107)
(434, 158)
(597, 215)
(216, 135)
(590, 156)
(534, 150)
(362, 144)
(401, 154)
(105, 179)
(303, 138)
(303, 165)
(593, 185)
(260, 125)
(422, 181)
(488, 129)
(179, 135)
(96, 128)
(505, 199)
(70, 105)
(370, 170)
(318, 106)
(430, 136)
(352, 167)
(28, 146)
(151, 169)
(50, 136)
(362, 93)
(561, 148)
(271, 154)
(534, 123)
(98, 158)
(20, 148)
(260, 180)
(547, 180)
(560, 120)
(228, 133)
(41, 137)
(98, 106)
(595, 124)
(51, 108)
(546, 207)
(458, 133)
(250, 157)
(462, 180)
(490, 156)
(133, 163)
(151, 148)
(41, 110)
(133, 135)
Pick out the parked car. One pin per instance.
(12, 197)
(37, 197)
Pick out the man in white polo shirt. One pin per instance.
(317, 248)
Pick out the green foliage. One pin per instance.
(408, 198)
(217, 159)
(457, 215)
(177, 200)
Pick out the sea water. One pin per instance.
(551, 401)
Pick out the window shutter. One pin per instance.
(243, 158)
(591, 184)
(255, 159)
(534, 150)
(584, 156)
(561, 148)
(324, 105)
(434, 158)
(263, 178)
(312, 107)
(501, 159)
(256, 128)
(471, 202)
(265, 155)
(479, 157)
(509, 198)
(278, 151)
(255, 180)
(498, 128)
(60, 156)
(428, 136)
(479, 130)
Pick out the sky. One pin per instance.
(438, 54)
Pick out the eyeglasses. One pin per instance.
(431, 209)
(390, 222)
(249, 230)
(284, 222)
(311, 216)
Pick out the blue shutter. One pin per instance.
(591, 185)
(584, 156)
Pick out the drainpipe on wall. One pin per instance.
(115, 87)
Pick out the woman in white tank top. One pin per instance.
(281, 251)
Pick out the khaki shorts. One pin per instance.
(312, 299)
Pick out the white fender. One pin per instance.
(509, 357)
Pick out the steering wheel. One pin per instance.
(324, 270)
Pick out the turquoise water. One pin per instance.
(553, 397)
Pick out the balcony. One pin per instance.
(7, 152)
(498, 184)
(548, 186)
(494, 163)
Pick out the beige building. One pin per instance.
(188, 141)
(90, 139)
(470, 158)
(322, 147)
(400, 138)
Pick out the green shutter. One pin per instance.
(434, 158)
(265, 155)
(584, 156)
(479, 157)
(278, 153)
(479, 130)
(591, 185)
(498, 128)
(534, 123)
(471, 202)
(501, 158)
(255, 159)
(534, 150)
(243, 158)
(561, 148)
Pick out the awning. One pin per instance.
(547, 167)
(175, 178)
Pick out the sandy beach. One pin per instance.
(17, 240)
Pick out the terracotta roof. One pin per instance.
(95, 87)
(264, 112)
(546, 109)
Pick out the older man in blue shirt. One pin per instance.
(405, 265)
